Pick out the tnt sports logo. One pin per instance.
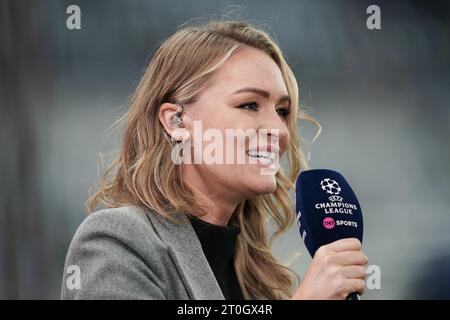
(329, 223)
(330, 186)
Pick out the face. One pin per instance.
(247, 103)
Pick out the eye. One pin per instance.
(284, 112)
(253, 106)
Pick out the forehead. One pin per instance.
(249, 67)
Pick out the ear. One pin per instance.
(168, 111)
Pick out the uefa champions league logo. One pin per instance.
(331, 187)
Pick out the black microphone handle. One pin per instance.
(353, 296)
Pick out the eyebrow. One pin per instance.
(263, 93)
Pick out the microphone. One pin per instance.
(327, 210)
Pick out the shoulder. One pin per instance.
(116, 218)
(121, 247)
(128, 225)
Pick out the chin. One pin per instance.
(264, 185)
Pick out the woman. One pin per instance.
(195, 228)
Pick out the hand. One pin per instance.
(337, 269)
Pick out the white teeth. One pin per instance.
(262, 154)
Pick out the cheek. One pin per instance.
(284, 143)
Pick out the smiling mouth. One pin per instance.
(263, 158)
(262, 154)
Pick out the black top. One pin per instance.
(218, 243)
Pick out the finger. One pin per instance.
(354, 272)
(348, 244)
(355, 285)
(351, 258)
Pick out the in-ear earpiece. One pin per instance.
(177, 121)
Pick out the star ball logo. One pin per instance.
(330, 186)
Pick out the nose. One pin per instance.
(273, 125)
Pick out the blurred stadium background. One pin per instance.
(382, 97)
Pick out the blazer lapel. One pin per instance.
(188, 256)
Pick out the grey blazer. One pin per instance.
(129, 253)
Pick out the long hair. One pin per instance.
(143, 173)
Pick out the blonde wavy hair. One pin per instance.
(143, 174)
